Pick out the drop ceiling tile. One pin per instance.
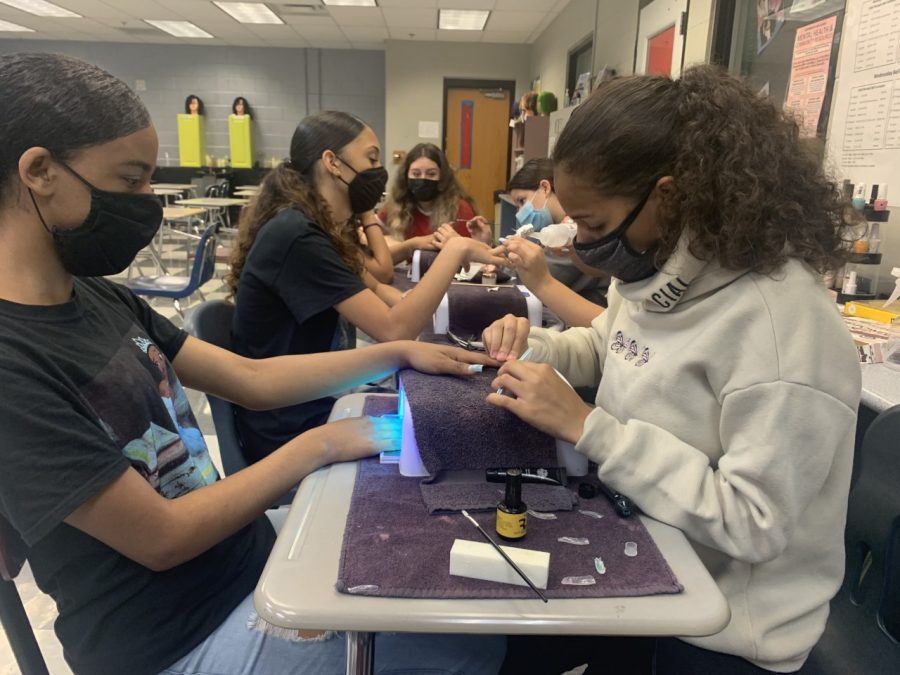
(416, 18)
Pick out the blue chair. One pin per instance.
(180, 287)
(210, 321)
(863, 630)
(12, 613)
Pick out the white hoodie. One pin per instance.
(727, 408)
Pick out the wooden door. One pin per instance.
(477, 138)
(660, 37)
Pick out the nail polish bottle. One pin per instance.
(881, 199)
(512, 513)
(859, 196)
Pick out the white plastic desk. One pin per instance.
(296, 589)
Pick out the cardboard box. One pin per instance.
(870, 338)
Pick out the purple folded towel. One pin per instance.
(392, 548)
(457, 429)
(474, 307)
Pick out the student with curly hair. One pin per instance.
(727, 403)
(298, 265)
(426, 194)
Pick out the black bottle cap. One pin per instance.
(587, 491)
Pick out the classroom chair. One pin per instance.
(179, 287)
(210, 321)
(12, 613)
(863, 631)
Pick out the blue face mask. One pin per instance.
(537, 218)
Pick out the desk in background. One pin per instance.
(297, 590)
(880, 386)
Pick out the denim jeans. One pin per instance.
(238, 648)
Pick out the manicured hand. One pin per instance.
(425, 242)
(480, 229)
(506, 338)
(445, 360)
(443, 234)
(528, 260)
(478, 251)
(542, 398)
(351, 439)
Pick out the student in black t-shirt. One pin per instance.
(298, 265)
(104, 475)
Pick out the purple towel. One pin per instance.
(474, 307)
(476, 494)
(457, 429)
(426, 259)
(392, 548)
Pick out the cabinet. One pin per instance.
(529, 140)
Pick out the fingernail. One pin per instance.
(475, 368)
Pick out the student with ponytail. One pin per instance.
(106, 481)
(727, 403)
(298, 265)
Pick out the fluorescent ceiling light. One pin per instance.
(7, 27)
(249, 12)
(41, 8)
(463, 19)
(179, 28)
(350, 3)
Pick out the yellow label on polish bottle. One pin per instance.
(512, 525)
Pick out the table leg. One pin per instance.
(360, 653)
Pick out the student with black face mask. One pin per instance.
(425, 196)
(298, 265)
(105, 479)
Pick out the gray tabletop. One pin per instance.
(297, 590)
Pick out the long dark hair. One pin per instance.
(531, 174)
(749, 190)
(401, 203)
(62, 104)
(201, 110)
(291, 184)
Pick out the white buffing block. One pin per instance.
(481, 561)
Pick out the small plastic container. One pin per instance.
(864, 269)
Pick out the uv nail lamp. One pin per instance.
(535, 311)
(411, 464)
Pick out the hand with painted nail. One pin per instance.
(443, 234)
(445, 360)
(506, 338)
(537, 394)
(529, 262)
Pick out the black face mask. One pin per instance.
(118, 225)
(366, 188)
(424, 189)
(612, 254)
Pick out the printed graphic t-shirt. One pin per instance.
(89, 392)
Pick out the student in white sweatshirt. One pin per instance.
(728, 386)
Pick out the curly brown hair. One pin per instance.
(749, 190)
(401, 203)
(291, 184)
